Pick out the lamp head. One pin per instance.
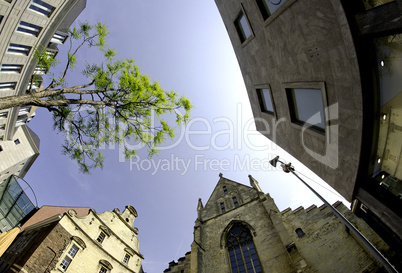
(274, 161)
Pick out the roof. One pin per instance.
(46, 212)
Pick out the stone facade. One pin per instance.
(76, 242)
(303, 240)
(331, 47)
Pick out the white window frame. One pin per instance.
(69, 256)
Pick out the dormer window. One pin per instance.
(225, 190)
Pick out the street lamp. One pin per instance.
(289, 168)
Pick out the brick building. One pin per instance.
(240, 229)
(76, 239)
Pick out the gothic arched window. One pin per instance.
(242, 254)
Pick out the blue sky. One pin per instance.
(184, 45)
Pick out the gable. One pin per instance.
(226, 196)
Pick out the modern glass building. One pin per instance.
(14, 204)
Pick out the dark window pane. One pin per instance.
(306, 106)
(264, 96)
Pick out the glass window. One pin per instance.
(17, 141)
(28, 28)
(299, 232)
(73, 250)
(41, 7)
(223, 207)
(242, 253)
(101, 237)
(236, 204)
(126, 258)
(306, 106)
(265, 99)
(65, 263)
(59, 38)
(18, 49)
(242, 27)
(103, 270)
(268, 7)
(225, 190)
(11, 68)
(7, 86)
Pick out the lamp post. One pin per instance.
(288, 168)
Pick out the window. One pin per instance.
(267, 7)
(17, 141)
(242, 27)
(299, 232)
(41, 7)
(236, 204)
(59, 38)
(18, 49)
(28, 28)
(69, 257)
(265, 99)
(3, 114)
(4, 86)
(307, 107)
(40, 70)
(126, 258)
(101, 237)
(2, 127)
(225, 190)
(223, 207)
(242, 254)
(103, 270)
(65, 263)
(11, 68)
(1, 148)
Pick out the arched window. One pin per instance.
(242, 254)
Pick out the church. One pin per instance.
(240, 229)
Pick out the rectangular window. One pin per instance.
(65, 263)
(17, 141)
(11, 68)
(242, 27)
(225, 190)
(103, 270)
(126, 258)
(101, 237)
(18, 49)
(41, 7)
(73, 250)
(5, 86)
(223, 207)
(236, 204)
(40, 70)
(265, 99)
(307, 107)
(268, 7)
(59, 38)
(3, 114)
(28, 28)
